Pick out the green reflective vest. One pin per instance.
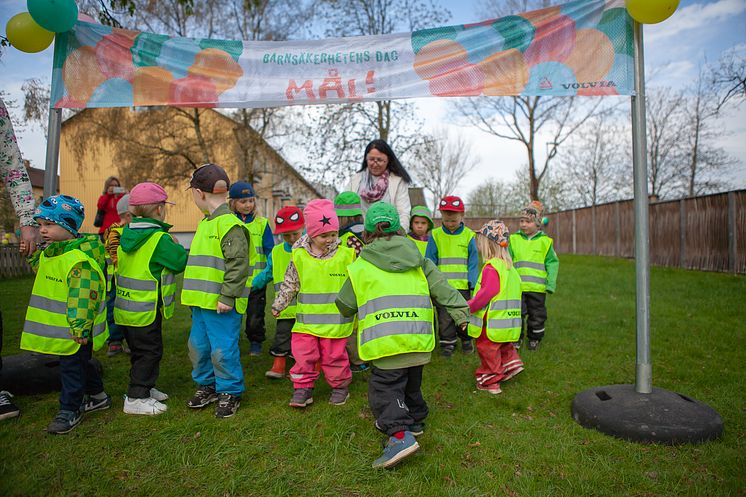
(257, 257)
(453, 256)
(320, 281)
(205, 269)
(394, 309)
(46, 329)
(528, 259)
(421, 245)
(280, 262)
(503, 311)
(136, 301)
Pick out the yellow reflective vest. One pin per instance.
(503, 311)
(280, 261)
(421, 245)
(528, 259)
(453, 256)
(257, 257)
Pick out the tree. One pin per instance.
(728, 79)
(442, 162)
(665, 134)
(493, 198)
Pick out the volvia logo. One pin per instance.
(589, 84)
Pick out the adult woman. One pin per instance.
(382, 177)
(107, 202)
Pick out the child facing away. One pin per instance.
(451, 247)
(215, 288)
(390, 289)
(420, 226)
(288, 224)
(242, 201)
(315, 275)
(111, 243)
(148, 260)
(537, 264)
(66, 314)
(496, 309)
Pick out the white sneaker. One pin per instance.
(158, 395)
(148, 407)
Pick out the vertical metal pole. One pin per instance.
(732, 232)
(682, 233)
(53, 152)
(643, 370)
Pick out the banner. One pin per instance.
(578, 48)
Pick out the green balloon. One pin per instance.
(54, 15)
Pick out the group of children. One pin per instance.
(352, 292)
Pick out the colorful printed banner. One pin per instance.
(579, 48)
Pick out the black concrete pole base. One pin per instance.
(661, 416)
(30, 373)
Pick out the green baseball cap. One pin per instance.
(382, 212)
(348, 204)
(421, 211)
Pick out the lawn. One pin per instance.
(521, 443)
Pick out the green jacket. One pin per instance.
(168, 254)
(400, 254)
(235, 246)
(551, 262)
(85, 288)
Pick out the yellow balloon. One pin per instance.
(26, 35)
(651, 11)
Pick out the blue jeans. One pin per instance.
(214, 351)
(115, 334)
(78, 377)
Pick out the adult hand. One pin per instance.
(222, 308)
(29, 235)
(81, 340)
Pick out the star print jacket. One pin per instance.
(85, 287)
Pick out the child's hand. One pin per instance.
(24, 247)
(464, 325)
(275, 313)
(222, 308)
(81, 340)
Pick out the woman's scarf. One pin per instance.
(372, 189)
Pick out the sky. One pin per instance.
(699, 31)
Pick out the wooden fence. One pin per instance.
(12, 263)
(706, 233)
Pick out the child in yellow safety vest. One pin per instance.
(496, 309)
(288, 224)
(148, 260)
(390, 289)
(420, 226)
(314, 276)
(66, 314)
(242, 200)
(537, 263)
(111, 243)
(451, 247)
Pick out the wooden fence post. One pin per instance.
(732, 232)
(593, 229)
(574, 233)
(618, 223)
(682, 233)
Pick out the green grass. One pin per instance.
(521, 443)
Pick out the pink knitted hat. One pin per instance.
(320, 217)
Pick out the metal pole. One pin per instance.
(643, 370)
(53, 152)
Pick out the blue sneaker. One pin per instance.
(396, 450)
(64, 422)
(256, 349)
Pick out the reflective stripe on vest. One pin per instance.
(394, 309)
(137, 294)
(205, 269)
(453, 251)
(280, 262)
(504, 310)
(257, 257)
(421, 245)
(320, 281)
(528, 259)
(46, 328)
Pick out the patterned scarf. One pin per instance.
(373, 189)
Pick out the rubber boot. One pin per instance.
(278, 369)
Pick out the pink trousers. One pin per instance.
(309, 350)
(500, 361)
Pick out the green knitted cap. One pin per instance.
(421, 211)
(348, 204)
(382, 212)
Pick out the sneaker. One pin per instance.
(90, 404)
(513, 373)
(147, 407)
(533, 344)
(255, 349)
(202, 397)
(227, 405)
(447, 350)
(492, 389)
(396, 450)
(64, 422)
(339, 396)
(114, 349)
(417, 429)
(158, 395)
(359, 368)
(7, 408)
(302, 397)
(277, 372)
(467, 347)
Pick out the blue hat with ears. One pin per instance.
(64, 210)
(241, 189)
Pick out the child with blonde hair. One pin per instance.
(496, 309)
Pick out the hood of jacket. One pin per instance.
(396, 255)
(137, 232)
